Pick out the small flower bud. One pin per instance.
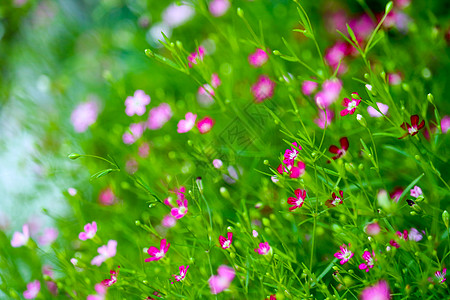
(149, 53)
(388, 7)
(361, 120)
(240, 12)
(276, 52)
(430, 97)
(445, 218)
(224, 192)
(266, 162)
(232, 255)
(74, 156)
(179, 44)
(266, 222)
(137, 222)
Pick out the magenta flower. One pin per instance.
(325, 118)
(113, 279)
(309, 87)
(344, 254)
(416, 192)
(379, 291)
(329, 93)
(196, 56)
(339, 151)
(215, 80)
(263, 88)
(169, 221)
(105, 252)
(335, 55)
(135, 132)
(291, 154)
(373, 228)
(48, 237)
(84, 115)
(414, 128)
(186, 124)
(445, 124)
(136, 105)
(263, 249)
(21, 238)
(101, 293)
(220, 282)
(158, 116)
(205, 125)
(299, 199)
(157, 254)
(369, 258)
(183, 271)
(258, 58)
(292, 170)
(362, 26)
(219, 7)
(181, 210)
(440, 277)
(90, 229)
(383, 108)
(225, 243)
(107, 197)
(33, 289)
(336, 200)
(395, 195)
(350, 105)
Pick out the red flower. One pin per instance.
(336, 200)
(339, 152)
(414, 128)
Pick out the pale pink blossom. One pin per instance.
(168, 221)
(395, 78)
(101, 293)
(215, 80)
(135, 132)
(52, 287)
(415, 235)
(334, 56)
(217, 163)
(329, 93)
(255, 233)
(183, 271)
(84, 115)
(263, 249)
(144, 150)
(379, 291)
(416, 192)
(105, 252)
(33, 289)
(136, 104)
(263, 88)
(158, 116)
(362, 26)
(48, 237)
(21, 238)
(107, 197)
(309, 87)
(205, 125)
(157, 254)
(176, 14)
(258, 58)
(72, 192)
(373, 228)
(220, 282)
(325, 118)
(445, 124)
(186, 124)
(90, 229)
(383, 108)
(402, 3)
(219, 7)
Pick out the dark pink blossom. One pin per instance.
(298, 200)
(344, 254)
(440, 276)
(263, 88)
(157, 254)
(136, 104)
(196, 57)
(292, 170)
(339, 151)
(90, 229)
(369, 258)
(258, 58)
(309, 87)
(350, 105)
(336, 200)
(181, 210)
(220, 282)
(291, 154)
(183, 271)
(205, 125)
(225, 243)
(113, 279)
(263, 249)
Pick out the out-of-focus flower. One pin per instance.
(205, 125)
(137, 103)
(339, 151)
(48, 237)
(373, 228)
(158, 116)
(183, 271)
(105, 252)
(379, 291)
(415, 235)
(258, 58)
(325, 118)
(101, 292)
(72, 192)
(157, 254)
(375, 113)
(144, 150)
(175, 15)
(135, 132)
(220, 282)
(197, 56)
(255, 233)
(329, 93)
(21, 238)
(169, 221)
(309, 87)
(187, 123)
(33, 289)
(362, 26)
(445, 124)
(263, 88)
(217, 163)
(90, 229)
(84, 115)
(219, 7)
(107, 197)
(395, 78)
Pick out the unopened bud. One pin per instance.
(361, 120)
(430, 97)
(74, 156)
(240, 12)
(276, 52)
(445, 218)
(149, 53)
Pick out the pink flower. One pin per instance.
(101, 292)
(186, 124)
(136, 104)
(339, 151)
(105, 252)
(168, 221)
(52, 287)
(416, 192)
(255, 233)
(329, 93)
(414, 128)
(181, 210)
(291, 154)
(373, 228)
(379, 291)
(90, 229)
(350, 105)
(205, 125)
(112, 280)
(402, 3)
(196, 56)
(157, 254)
(263, 249)
(33, 289)
(215, 80)
(440, 277)
(84, 115)
(415, 235)
(217, 163)
(183, 271)
(369, 258)
(395, 78)
(263, 88)
(48, 237)
(258, 58)
(158, 116)
(72, 192)
(220, 282)
(219, 7)
(362, 26)
(381, 107)
(292, 170)
(225, 243)
(335, 55)
(21, 238)
(336, 200)
(324, 119)
(299, 199)
(177, 14)
(309, 87)
(445, 124)
(47, 270)
(107, 197)
(272, 297)
(135, 132)
(395, 195)
(144, 150)
(344, 254)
